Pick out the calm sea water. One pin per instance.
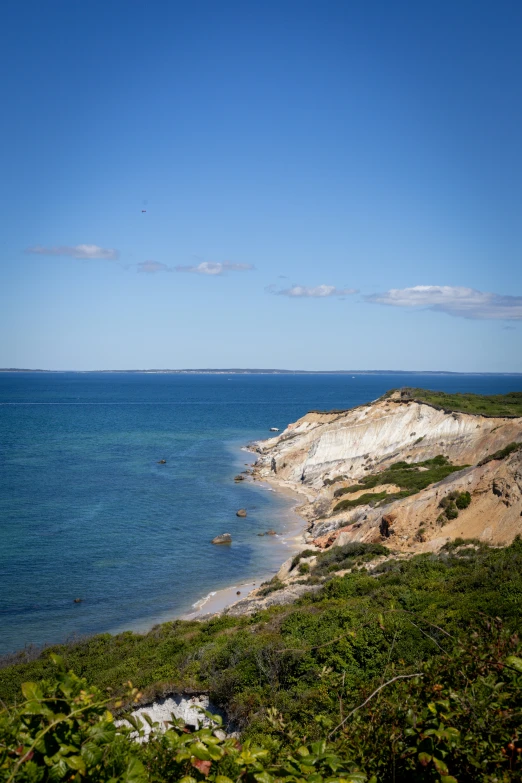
(86, 511)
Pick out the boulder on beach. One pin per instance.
(241, 513)
(224, 538)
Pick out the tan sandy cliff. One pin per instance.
(324, 452)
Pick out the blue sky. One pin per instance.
(327, 185)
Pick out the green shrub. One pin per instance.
(300, 555)
(315, 662)
(486, 405)
(502, 453)
(304, 568)
(451, 504)
(463, 500)
(451, 511)
(63, 731)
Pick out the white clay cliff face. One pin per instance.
(377, 435)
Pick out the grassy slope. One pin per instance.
(356, 626)
(408, 476)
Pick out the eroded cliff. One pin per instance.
(332, 456)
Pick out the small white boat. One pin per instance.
(274, 429)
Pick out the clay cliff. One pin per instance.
(339, 455)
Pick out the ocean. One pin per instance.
(87, 512)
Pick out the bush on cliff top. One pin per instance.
(483, 404)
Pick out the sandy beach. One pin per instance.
(291, 541)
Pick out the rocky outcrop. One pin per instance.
(256, 602)
(493, 518)
(181, 707)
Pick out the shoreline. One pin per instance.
(217, 601)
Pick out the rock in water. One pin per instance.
(241, 513)
(224, 538)
(162, 462)
(239, 477)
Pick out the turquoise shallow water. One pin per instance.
(86, 511)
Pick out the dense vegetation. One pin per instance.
(439, 633)
(509, 404)
(410, 477)
(487, 405)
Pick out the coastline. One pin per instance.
(293, 540)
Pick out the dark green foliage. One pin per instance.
(304, 568)
(316, 662)
(502, 453)
(485, 405)
(451, 512)
(62, 731)
(451, 504)
(463, 500)
(460, 721)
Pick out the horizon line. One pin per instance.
(258, 371)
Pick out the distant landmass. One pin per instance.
(252, 371)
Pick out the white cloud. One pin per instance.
(214, 268)
(453, 300)
(150, 267)
(89, 252)
(318, 291)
